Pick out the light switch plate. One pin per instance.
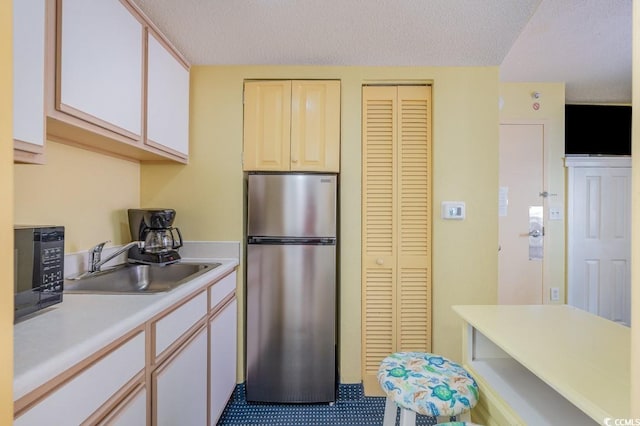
(555, 213)
(453, 210)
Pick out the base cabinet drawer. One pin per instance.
(222, 289)
(132, 411)
(169, 328)
(79, 397)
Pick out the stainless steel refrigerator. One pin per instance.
(291, 287)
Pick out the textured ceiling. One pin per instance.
(585, 43)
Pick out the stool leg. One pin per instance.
(407, 417)
(464, 417)
(390, 411)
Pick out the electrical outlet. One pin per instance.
(555, 294)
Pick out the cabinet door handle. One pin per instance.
(380, 261)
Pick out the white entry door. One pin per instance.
(599, 231)
(521, 222)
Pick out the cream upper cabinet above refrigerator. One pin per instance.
(100, 65)
(315, 126)
(292, 125)
(167, 99)
(28, 80)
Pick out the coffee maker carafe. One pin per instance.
(161, 239)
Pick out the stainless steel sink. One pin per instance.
(137, 279)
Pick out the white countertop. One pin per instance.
(585, 358)
(56, 339)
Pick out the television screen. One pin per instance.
(597, 130)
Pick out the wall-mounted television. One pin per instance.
(597, 130)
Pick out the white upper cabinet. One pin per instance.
(119, 85)
(167, 100)
(28, 76)
(100, 65)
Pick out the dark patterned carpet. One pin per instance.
(351, 408)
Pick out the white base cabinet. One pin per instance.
(177, 367)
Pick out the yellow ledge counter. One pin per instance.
(546, 365)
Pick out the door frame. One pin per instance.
(548, 237)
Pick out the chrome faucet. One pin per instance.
(95, 254)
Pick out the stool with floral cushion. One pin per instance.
(428, 384)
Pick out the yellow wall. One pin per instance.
(6, 214)
(516, 107)
(635, 228)
(85, 191)
(208, 193)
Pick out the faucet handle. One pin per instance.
(95, 254)
(97, 249)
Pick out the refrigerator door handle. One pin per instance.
(292, 241)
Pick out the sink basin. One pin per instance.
(137, 279)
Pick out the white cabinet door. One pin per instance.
(28, 71)
(100, 70)
(180, 395)
(223, 332)
(167, 100)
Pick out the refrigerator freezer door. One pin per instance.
(291, 323)
(292, 205)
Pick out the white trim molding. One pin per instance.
(580, 161)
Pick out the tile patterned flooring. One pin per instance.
(351, 408)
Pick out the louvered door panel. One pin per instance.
(378, 263)
(414, 330)
(396, 225)
(414, 226)
(378, 319)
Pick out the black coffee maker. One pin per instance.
(161, 239)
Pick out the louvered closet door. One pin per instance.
(396, 240)
(413, 200)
